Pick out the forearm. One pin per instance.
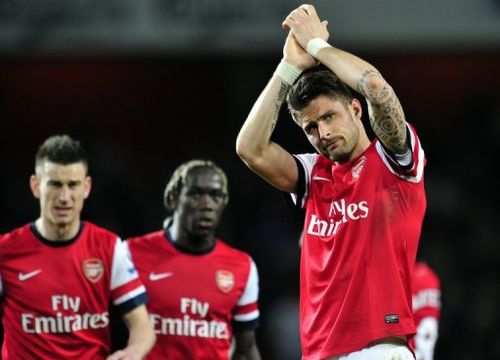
(254, 137)
(141, 340)
(352, 70)
(245, 346)
(254, 145)
(251, 354)
(141, 336)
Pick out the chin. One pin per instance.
(203, 232)
(62, 222)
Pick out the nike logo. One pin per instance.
(321, 178)
(26, 276)
(153, 276)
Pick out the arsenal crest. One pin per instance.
(224, 280)
(93, 269)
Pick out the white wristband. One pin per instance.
(315, 45)
(287, 72)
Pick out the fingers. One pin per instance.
(301, 13)
(309, 9)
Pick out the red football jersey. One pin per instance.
(56, 295)
(196, 300)
(362, 226)
(426, 291)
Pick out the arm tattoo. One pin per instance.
(281, 98)
(387, 118)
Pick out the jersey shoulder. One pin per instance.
(230, 252)
(149, 237)
(16, 238)
(98, 231)
(146, 241)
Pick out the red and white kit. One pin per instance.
(56, 295)
(361, 231)
(197, 300)
(426, 290)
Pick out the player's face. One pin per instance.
(332, 127)
(62, 190)
(201, 202)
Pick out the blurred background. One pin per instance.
(146, 85)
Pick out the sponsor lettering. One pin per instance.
(187, 325)
(427, 298)
(339, 213)
(64, 323)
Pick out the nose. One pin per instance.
(206, 201)
(324, 130)
(64, 194)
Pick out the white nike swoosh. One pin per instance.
(316, 177)
(154, 277)
(26, 276)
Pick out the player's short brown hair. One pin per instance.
(61, 149)
(313, 83)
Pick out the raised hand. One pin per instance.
(306, 25)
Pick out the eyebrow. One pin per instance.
(59, 182)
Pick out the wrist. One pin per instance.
(315, 45)
(287, 72)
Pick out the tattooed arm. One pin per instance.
(386, 114)
(254, 145)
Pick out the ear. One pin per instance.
(35, 186)
(173, 203)
(357, 108)
(88, 186)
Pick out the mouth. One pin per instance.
(205, 223)
(62, 211)
(331, 146)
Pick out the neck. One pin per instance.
(363, 144)
(54, 232)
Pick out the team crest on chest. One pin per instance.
(93, 269)
(224, 280)
(356, 169)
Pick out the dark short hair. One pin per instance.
(61, 149)
(178, 180)
(312, 83)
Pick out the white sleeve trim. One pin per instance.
(248, 316)
(130, 295)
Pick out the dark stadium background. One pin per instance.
(141, 113)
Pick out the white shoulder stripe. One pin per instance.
(418, 159)
(308, 161)
(123, 269)
(251, 293)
